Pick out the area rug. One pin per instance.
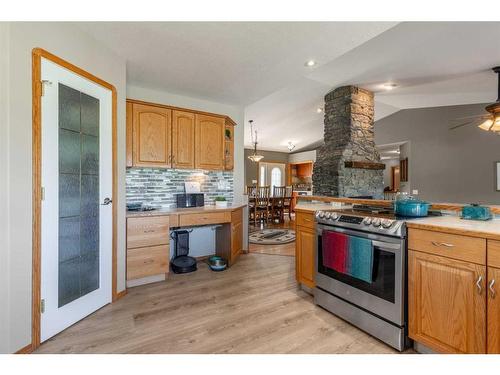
(272, 236)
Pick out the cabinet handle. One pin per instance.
(478, 285)
(492, 291)
(445, 244)
(149, 231)
(148, 261)
(172, 158)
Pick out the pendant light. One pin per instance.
(254, 157)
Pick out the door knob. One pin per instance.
(106, 202)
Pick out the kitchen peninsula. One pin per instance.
(453, 267)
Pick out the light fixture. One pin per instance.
(319, 110)
(254, 157)
(290, 146)
(310, 63)
(389, 86)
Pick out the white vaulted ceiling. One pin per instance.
(260, 65)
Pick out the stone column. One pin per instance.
(348, 140)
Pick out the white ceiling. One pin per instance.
(261, 66)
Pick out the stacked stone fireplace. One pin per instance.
(348, 164)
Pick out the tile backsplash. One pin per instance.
(159, 186)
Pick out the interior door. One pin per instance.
(76, 229)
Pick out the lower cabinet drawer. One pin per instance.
(147, 261)
(469, 249)
(305, 219)
(148, 231)
(204, 219)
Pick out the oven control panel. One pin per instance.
(365, 223)
(350, 219)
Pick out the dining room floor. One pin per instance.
(287, 249)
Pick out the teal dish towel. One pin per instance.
(360, 263)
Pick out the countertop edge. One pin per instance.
(452, 230)
(178, 211)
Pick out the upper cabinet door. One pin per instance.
(183, 139)
(209, 142)
(151, 136)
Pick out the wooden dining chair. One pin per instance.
(251, 192)
(287, 201)
(278, 203)
(261, 205)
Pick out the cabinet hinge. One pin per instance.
(42, 193)
(42, 306)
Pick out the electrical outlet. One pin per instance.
(414, 192)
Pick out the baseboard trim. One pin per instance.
(26, 350)
(120, 294)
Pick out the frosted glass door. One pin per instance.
(76, 178)
(78, 194)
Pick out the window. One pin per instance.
(262, 178)
(275, 178)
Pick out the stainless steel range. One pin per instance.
(377, 306)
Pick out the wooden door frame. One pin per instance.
(393, 168)
(37, 54)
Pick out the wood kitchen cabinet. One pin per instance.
(151, 136)
(453, 304)
(148, 246)
(229, 147)
(160, 136)
(183, 135)
(305, 244)
(209, 142)
(447, 308)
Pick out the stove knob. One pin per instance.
(321, 214)
(334, 216)
(367, 220)
(327, 215)
(386, 223)
(316, 215)
(376, 222)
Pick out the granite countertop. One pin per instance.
(454, 224)
(191, 210)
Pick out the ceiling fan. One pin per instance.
(491, 120)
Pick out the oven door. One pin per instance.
(385, 295)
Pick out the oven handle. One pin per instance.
(386, 245)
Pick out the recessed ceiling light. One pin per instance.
(310, 63)
(319, 110)
(389, 86)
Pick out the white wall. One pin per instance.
(4, 188)
(72, 44)
(302, 156)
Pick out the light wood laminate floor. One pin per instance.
(253, 307)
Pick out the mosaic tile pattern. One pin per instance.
(158, 187)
